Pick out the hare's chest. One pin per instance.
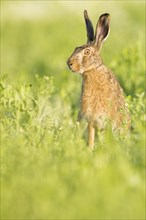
(93, 106)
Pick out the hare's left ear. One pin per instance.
(102, 29)
(89, 28)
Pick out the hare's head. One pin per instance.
(87, 56)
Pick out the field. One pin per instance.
(47, 170)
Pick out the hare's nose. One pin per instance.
(69, 63)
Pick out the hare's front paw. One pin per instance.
(77, 125)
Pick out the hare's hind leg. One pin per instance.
(91, 135)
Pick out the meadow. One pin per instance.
(47, 170)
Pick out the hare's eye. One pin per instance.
(87, 52)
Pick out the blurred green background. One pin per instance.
(47, 171)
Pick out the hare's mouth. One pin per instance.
(75, 67)
(71, 66)
(69, 63)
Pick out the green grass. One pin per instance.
(47, 171)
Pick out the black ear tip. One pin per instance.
(108, 16)
(86, 13)
(105, 15)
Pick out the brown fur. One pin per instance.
(102, 97)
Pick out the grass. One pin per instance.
(47, 171)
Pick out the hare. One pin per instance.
(102, 98)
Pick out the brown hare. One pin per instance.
(102, 98)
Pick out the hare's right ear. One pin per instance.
(89, 28)
(102, 29)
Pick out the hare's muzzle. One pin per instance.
(69, 63)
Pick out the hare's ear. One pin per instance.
(102, 29)
(89, 28)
